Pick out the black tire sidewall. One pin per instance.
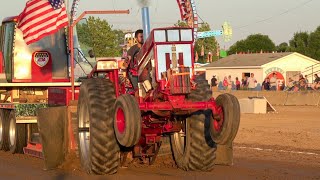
(4, 144)
(83, 99)
(12, 147)
(231, 113)
(236, 121)
(103, 153)
(199, 149)
(132, 115)
(120, 103)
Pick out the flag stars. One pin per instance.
(56, 4)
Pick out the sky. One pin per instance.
(279, 19)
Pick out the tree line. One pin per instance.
(98, 35)
(306, 43)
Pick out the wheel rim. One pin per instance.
(120, 121)
(218, 120)
(84, 136)
(12, 132)
(180, 139)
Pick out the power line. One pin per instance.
(276, 15)
(200, 19)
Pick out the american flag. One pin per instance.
(41, 18)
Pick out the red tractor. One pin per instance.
(109, 116)
(169, 101)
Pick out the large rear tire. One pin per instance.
(17, 135)
(202, 92)
(230, 120)
(194, 150)
(127, 123)
(98, 148)
(4, 129)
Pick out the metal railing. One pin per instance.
(308, 69)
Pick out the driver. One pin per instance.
(133, 51)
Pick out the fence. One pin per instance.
(302, 98)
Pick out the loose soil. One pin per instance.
(282, 145)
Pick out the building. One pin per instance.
(263, 65)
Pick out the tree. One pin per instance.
(314, 44)
(283, 47)
(253, 43)
(120, 39)
(181, 24)
(299, 43)
(100, 36)
(209, 44)
(306, 43)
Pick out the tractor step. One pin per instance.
(33, 149)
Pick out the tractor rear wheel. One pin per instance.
(4, 129)
(202, 91)
(17, 135)
(98, 148)
(224, 127)
(193, 148)
(127, 120)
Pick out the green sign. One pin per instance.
(223, 53)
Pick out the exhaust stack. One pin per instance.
(145, 22)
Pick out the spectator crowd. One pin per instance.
(269, 84)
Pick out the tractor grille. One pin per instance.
(179, 81)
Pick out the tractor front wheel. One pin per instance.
(193, 148)
(225, 124)
(127, 123)
(98, 148)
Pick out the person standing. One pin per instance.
(225, 83)
(266, 84)
(273, 82)
(252, 82)
(244, 82)
(229, 83)
(238, 83)
(307, 81)
(302, 82)
(214, 84)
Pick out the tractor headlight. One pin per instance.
(106, 65)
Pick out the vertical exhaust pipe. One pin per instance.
(145, 22)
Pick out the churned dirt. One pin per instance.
(282, 145)
(295, 127)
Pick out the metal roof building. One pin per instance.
(285, 65)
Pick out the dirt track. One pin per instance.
(284, 145)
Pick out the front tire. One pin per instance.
(98, 149)
(224, 132)
(194, 150)
(127, 120)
